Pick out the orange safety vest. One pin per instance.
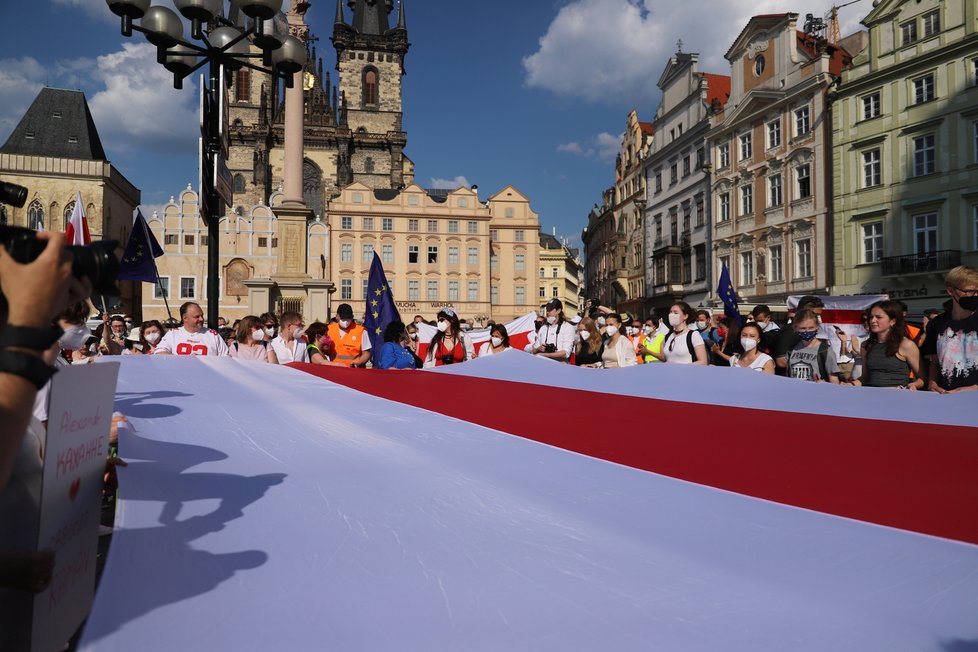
(347, 347)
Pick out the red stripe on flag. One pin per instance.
(842, 316)
(907, 475)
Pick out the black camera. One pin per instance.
(448, 359)
(96, 261)
(549, 348)
(12, 194)
(593, 310)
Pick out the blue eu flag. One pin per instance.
(139, 259)
(730, 299)
(381, 310)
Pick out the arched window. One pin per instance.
(35, 216)
(242, 86)
(68, 211)
(368, 165)
(312, 186)
(371, 87)
(239, 183)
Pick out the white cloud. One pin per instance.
(139, 110)
(603, 147)
(613, 51)
(449, 184)
(20, 82)
(94, 8)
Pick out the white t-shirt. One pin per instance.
(562, 335)
(299, 352)
(676, 349)
(180, 341)
(757, 365)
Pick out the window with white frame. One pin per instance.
(346, 289)
(931, 22)
(871, 105)
(686, 165)
(872, 242)
(777, 197)
(473, 227)
(413, 253)
(925, 233)
(473, 256)
(923, 89)
(543, 272)
(368, 224)
(365, 288)
(723, 157)
(432, 226)
(658, 181)
(519, 235)
(387, 253)
(473, 291)
(520, 263)
(924, 156)
(453, 255)
(724, 212)
(432, 290)
(746, 200)
(453, 290)
(494, 262)
(432, 254)
(774, 133)
(161, 289)
(414, 290)
(494, 294)
(387, 224)
(346, 253)
(803, 180)
(453, 226)
(555, 292)
(553, 270)
(803, 258)
(803, 121)
(746, 267)
(908, 32)
(413, 226)
(775, 263)
(872, 175)
(520, 295)
(346, 223)
(673, 172)
(543, 292)
(746, 146)
(367, 253)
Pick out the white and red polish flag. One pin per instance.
(842, 312)
(76, 232)
(519, 331)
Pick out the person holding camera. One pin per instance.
(556, 338)
(449, 345)
(192, 338)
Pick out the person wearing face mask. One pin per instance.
(412, 333)
(684, 345)
(788, 337)
(650, 343)
(710, 333)
(448, 345)
(590, 345)
(498, 341)
(191, 338)
(249, 342)
(146, 339)
(951, 340)
(269, 325)
(289, 346)
(761, 315)
(555, 339)
(113, 339)
(811, 359)
(318, 343)
(395, 354)
(752, 357)
(349, 344)
(618, 350)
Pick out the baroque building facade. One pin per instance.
(771, 162)
(602, 252)
(55, 151)
(628, 211)
(559, 276)
(678, 216)
(906, 152)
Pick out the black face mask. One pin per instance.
(968, 303)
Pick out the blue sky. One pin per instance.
(533, 93)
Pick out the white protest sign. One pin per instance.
(79, 420)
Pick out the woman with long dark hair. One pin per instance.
(449, 345)
(889, 356)
(498, 341)
(395, 354)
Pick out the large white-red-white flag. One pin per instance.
(76, 232)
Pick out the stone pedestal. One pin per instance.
(293, 240)
(318, 305)
(260, 295)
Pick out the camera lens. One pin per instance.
(99, 263)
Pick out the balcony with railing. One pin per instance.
(926, 263)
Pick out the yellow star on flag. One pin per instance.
(376, 315)
(377, 292)
(377, 331)
(373, 302)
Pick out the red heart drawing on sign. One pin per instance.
(73, 490)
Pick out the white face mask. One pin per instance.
(270, 332)
(497, 341)
(749, 343)
(298, 332)
(257, 335)
(344, 323)
(552, 319)
(601, 321)
(585, 335)
(414, 336)
(74, 336)
(152, 338)
(674, 319)
(629, 331)
(611, 331)
(648, 330)
(701, 325)
(443, 326)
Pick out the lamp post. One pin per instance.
(222, 47)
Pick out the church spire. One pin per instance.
(401, 17)
(370, 16)
(340, 19)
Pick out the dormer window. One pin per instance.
(56, 114)
(72, 139)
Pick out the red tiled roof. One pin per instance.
(718, 88)
(838, 57)
(648, 128)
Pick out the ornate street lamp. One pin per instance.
(222, 45)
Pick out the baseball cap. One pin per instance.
(554, 304)
(344, 311)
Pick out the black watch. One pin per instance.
(29, 337)
(26, 366)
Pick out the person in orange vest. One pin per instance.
(350, 346)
